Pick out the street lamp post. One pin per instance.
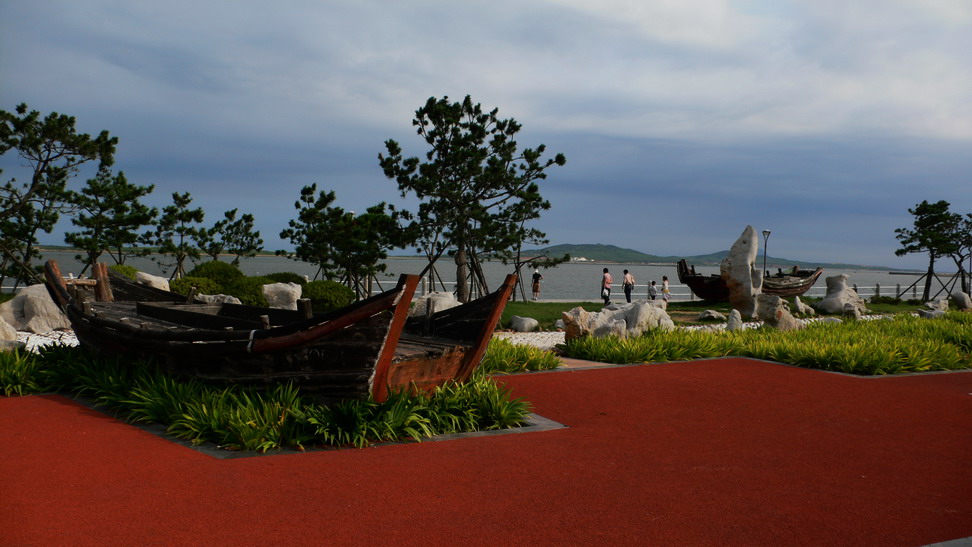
(766, 234)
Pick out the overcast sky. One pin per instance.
(682, 120)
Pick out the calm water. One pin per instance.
(577, 281)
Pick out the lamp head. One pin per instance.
(766, 233)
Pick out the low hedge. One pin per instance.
(327, 295)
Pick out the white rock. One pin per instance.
(152, 281)
(939, 304)
(218, 299)
(7, 331)
(961, 300)
(852, 311)
(710, 315)
(617, 319)
(440, 301)
(839, 294)
(772, 311)
(931, 314)
(32, 310)
(282, 296)
(524, 324)
(735, 321)
(802, 308)
(739, 271)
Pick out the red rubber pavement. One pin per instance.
(720, 452)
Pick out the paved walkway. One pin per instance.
(716, 452)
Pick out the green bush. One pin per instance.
(223, 273)
(203, 285)
(240, 418)
(286, 277)
(125, 270)
(327, 295)
(249, 290)
(506, 357)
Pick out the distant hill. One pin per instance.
(611, 253)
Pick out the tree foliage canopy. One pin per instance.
(476, 188)
(177, 229)
(934, 232)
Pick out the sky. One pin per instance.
(683, 121)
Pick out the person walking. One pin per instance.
(666, 293)
(628, 284)
(606, 281)
(652, 290)
(536, 284)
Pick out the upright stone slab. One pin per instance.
(735, 321)
(739, 272)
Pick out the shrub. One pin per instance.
(19, 373)
(286, 277)
(125, 270)
(223, 273)
(249, 290)
(327, 295)
(506, 357)
(203, 285)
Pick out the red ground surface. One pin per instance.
(721, 452)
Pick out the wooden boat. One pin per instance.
(363, 349)
(712, 287)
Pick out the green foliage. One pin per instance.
(477, 189)
(125, 270)
(342, 245)
(203, 285)
(286, 277)
(902, 344)
(327, 295)
(222, 273)
(177, 228)
(240, 418)
(19, 373)
(109, 217)
(231, 235)
(249, 290)
(506, 357)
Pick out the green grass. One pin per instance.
(902, 344)
(503, 356)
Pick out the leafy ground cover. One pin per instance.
(903, 343)
(240, 418)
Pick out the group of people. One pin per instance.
(628, 283)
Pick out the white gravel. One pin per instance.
(33, 341)
(542, 340)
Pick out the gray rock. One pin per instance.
(439, 300)
(940, 304)
(852, 311)
(772, 310)
(32, 310)
(282, 296)
(523, 324)
(961, 300)
(735, 321)
(739, 271)
(710, 315)
(218, 299)
(622, 320)
(802, 309)
(559, 324)
(931, 314)
(7, 331)
(839, 294)
(830, 320)
(152, 281)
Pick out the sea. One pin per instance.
(574, 281)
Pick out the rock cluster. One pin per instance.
(772, 310)
(620, 320)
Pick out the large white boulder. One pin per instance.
(32, 310)
(622, 320)
(283, 296)
(739, 272)
(961, 300)
(439, 301)
(772, 310)
(7, 332)
(839, 294)
(523, 324)
(152, 281)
